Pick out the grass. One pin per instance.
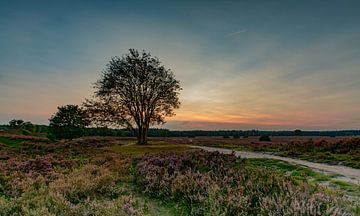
(153, 206)
(302, 173)
(15, 143)
(351, 189)
(285, 168)
(152, 147)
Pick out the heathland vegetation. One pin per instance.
(115, 176)
(337, 151)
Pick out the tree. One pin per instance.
(15, 123)
(21, 126)
(297, 132)
(134, 91)
(68, 122)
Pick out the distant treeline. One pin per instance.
(154, 132)
(246, 133)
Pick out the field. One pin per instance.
(114, 176)
(331, 150)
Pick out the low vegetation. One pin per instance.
(112, 176)
(214, 184)
(345, 151)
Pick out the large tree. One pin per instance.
(134, 91)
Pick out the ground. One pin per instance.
(114, 176)
(331, 150)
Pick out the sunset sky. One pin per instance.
(267, 65)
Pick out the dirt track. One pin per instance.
(348, 174)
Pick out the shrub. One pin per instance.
(264, 138)
(25, 132)
(68, 122)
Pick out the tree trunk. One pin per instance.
(142, 135)
(146, 128)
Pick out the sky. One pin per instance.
(267, 65)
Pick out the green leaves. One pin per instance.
(69, 122)
(134, 91)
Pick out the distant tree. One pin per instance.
(134, 91)
(15, 123)
(297, 132)
(20, 126)
(68, 122)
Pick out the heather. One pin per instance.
(215, 184)
(112, 176)
(76, 177)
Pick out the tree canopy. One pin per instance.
(134, 91)
(68, 122)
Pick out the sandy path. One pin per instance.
(348, 174)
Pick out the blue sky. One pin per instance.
(242, 64)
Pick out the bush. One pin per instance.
(66, 132)
(51, 136)
(265, 138)
(25, 132)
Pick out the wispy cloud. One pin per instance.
(237, 32)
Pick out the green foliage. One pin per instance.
(134, 91)
(264, 138)
(51, 136)
(68, 123)
(285, 168)
(15, 123)
(297, 132)
(11, 142)
(25, 132)
(22, 127)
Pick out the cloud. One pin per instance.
(237, 32)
